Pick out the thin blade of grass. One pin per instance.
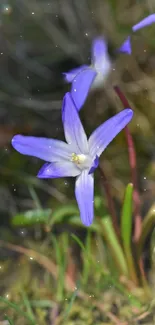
(27, 305)
(17, 309)
(86, 259)
(147, 226)
(35, 197)
(61, 268)
(126, 216)
(79, 242)
(114, 246)
(69, 307)
(10, 321)
(126, 231)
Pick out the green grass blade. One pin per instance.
(79, 242)
(18, 310)
(114, 245)
(86, 260)
(147, 225)
(126, 217)
(35, 197)
(89, 263)
(10, 321)
(73, 297)
(27, 305)
(126, 230)
(61, 268)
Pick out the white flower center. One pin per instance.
(82, 161)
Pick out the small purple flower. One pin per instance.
(126, 46)
(78, 157)
(84, 77)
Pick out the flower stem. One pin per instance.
(133, 168)
(136, 195)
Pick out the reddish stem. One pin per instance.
(110, 202)
(133, 167)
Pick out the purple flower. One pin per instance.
(78, 157)
(84, 77)
(126, 46)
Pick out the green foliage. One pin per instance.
(61, 213)
(61, 248)
(114, 245)
(126, 231)
(147, 226)
(17, 309)
(126, 217)
(10, 321)
(31, 217)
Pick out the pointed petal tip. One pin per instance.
(129, 112)
(126, 46)
(16, 140)
(39, 175)
(70, 75)
(42, 170)
(107, 131)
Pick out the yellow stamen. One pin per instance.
(78, 159)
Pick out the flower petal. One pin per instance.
(126, 46)
(107, 131)
(43, 148)
(94, 165)
(74, 131)
(144, 22)
(81, 85)
(101, 61)
(99, 49)
(62, 168)
(70, 75)
(84, 192)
